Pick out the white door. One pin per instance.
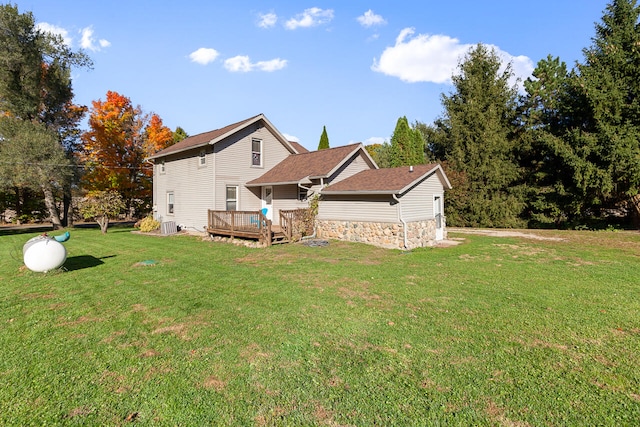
(437, 213)
(267, 202)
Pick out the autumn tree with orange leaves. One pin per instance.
(114, 149)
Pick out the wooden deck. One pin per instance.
(254, 225)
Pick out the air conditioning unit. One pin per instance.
(169, 227)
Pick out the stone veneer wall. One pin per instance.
(383, 234)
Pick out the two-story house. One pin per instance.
(250, 166)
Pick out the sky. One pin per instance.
(352, 66)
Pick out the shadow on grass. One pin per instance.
(8, 231)
(84, 261)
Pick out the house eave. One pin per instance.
(267, 184)
(358, 193)
(193, 147)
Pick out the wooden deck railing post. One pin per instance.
(269, 234)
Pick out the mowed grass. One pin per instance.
(495, 331)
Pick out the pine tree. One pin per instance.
(548, 111)
(324, 139)
(407, 145)
(610, 136)
(478, 141)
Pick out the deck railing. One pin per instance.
(294, 223)
(241, 224)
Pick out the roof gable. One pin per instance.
(387, 180)
(211, 137)
(313, 164)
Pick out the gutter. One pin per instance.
(404, 223)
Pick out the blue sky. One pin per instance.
(352, 66)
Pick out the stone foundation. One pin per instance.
(383, 234)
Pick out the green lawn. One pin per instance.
(495, 331)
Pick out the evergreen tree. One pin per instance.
(549, 109)
(583, 127)
(407, 145)
(179, 134)
(324, 139)
(478, 140)
(609, 139)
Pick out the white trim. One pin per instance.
(171, 203)
(259, 153)
(227, 199)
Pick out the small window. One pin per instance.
(256, 152)
(162, 168)
(302, 194)
(170, 203)
(202, 161)
(232, 198)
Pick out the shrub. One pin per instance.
(149, 224)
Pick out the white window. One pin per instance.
(256, 152)
(202, 160)
(170, 203)
(232, 197)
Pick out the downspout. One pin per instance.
(404, 224)
(154, 206)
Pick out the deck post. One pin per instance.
(269, 234)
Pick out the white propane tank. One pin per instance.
(43, 253)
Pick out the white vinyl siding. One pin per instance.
(198, 189)
(233, 166)
(350, 168)
(358, 208)
(192, 186)
(417, 204)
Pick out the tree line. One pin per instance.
(563, 151)
(45, 159)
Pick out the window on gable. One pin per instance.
(256, 152)
(232, 197)
(170, 203)
(202, 160)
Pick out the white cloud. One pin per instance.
(291, 137)
(369, 19)
(434, 58)
(87, 41)
(203, 55)
(55, 30)
(272, 65)
(267, 20)
(238, 64)
(243, 64)
(310, 18)
(375, 140)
